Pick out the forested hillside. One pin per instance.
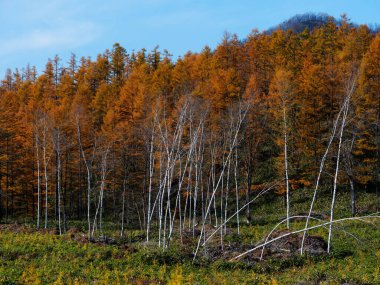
(166, 145)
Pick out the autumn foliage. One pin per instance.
(120, 99)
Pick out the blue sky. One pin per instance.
(31, 31)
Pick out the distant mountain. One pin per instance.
(300, 22)
(311, 21)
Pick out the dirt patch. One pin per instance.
(189, 236)
(81, 238)
(73, 230)
(226, 252)
(283, 248)
(16, 228)
(291, 244)
(75, 234)
(103, 240)
(129, 249)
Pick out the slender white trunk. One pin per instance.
(99, 209)
(336, 177)
(88, 178)
(172, 151)
(242, 114)
(58, 149)
(188, 193)
(38, 178)
(123, 206)
(198, 169)
(286, 169)
(262, 192)
(237, 192)
(342, 110)
(102, 186)
(322, 164)
(88, 199)
(151, 172)
(45, 176)
(226, 198)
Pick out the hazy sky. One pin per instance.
(34, 30)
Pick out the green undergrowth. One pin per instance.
(28, 256)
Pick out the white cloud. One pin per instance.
(68, 36)
(41, 25)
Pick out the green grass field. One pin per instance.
(38, 257)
